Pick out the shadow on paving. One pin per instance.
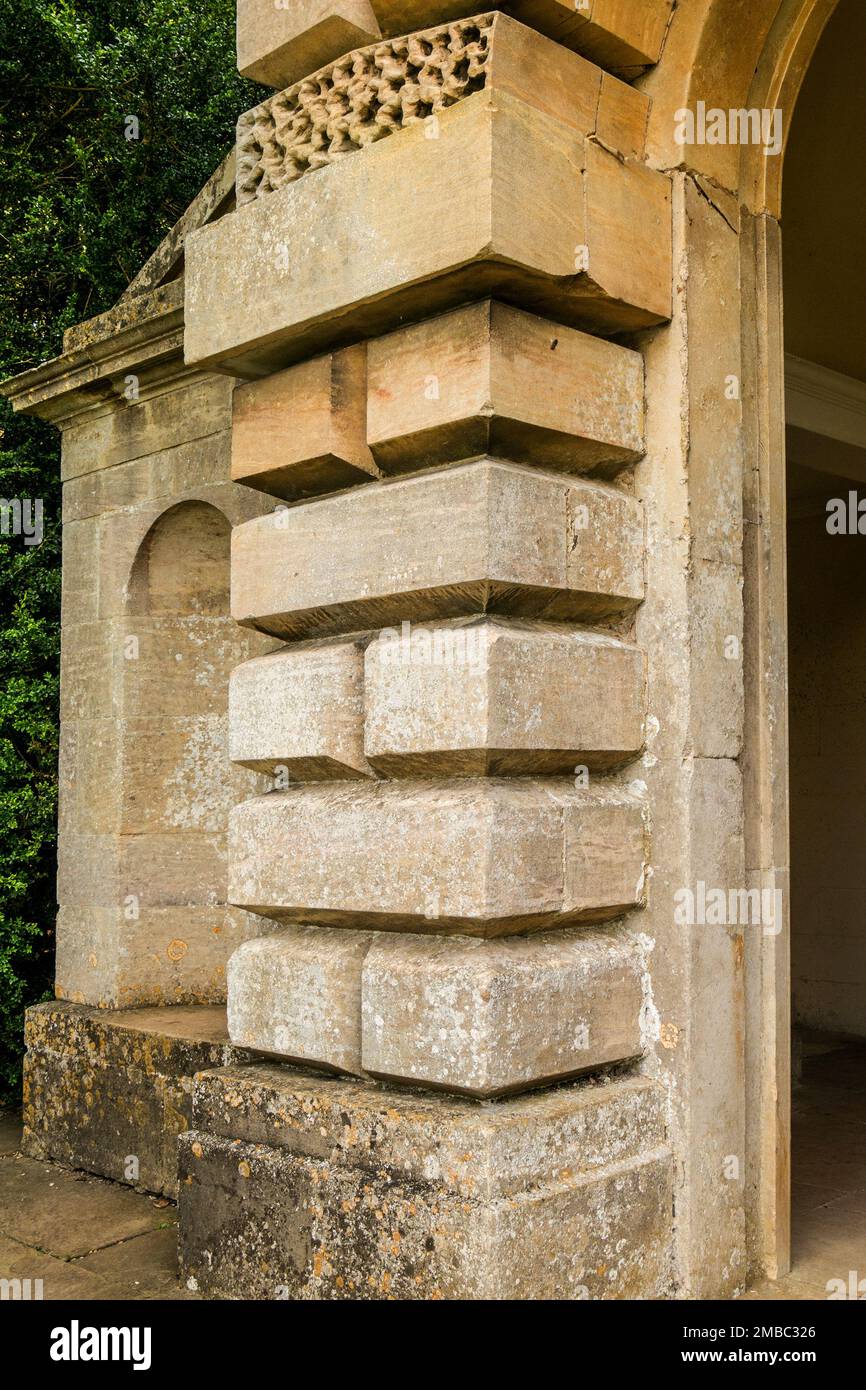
(84, 1237)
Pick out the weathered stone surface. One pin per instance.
(484, 536)
(319, 262)
(327, 1189)
(460, 1014)
(302, 431)
(364, 97)
(372, 93)
(297, 994)
(487, 1017)
(169, 955)
(103, 1087)
(415, 1136)
(483, 858)
(491, 379)
(496, 697)
(278, 44)
(300, 711)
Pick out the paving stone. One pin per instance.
(68, 1214)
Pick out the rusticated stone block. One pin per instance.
(488, 1017)
(616, 33)
(558, 223)
(297, 994)
(302, 431)
(375, 92)
(482, 858)
(500, 698)
(300, 709)
(102, 1088)
(457, 1013)
(484, 536)
(277, 44)
(492, 379)
(321, 1188)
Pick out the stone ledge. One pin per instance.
(468, 1147)
(101, 1086)
(326, 1189)
(143, 334)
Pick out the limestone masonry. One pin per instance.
(394, 699)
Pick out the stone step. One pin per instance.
(110, 1090)
(294, 1187)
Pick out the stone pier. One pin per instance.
(411, 496)
(435, 237)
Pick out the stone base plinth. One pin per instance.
(301, 1187)
(109, 1091)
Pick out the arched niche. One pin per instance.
(177, 784)
(182, 565)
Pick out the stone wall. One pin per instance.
(508, 424)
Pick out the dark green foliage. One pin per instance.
(81, 208)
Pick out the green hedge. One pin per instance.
(82, 208)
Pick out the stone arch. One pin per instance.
(735, 54)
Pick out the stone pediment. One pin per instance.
(216, 198)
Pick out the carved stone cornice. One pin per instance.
(141, 336)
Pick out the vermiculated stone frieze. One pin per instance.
(358, 100)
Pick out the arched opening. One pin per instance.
(823, 213)
(178, 786)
